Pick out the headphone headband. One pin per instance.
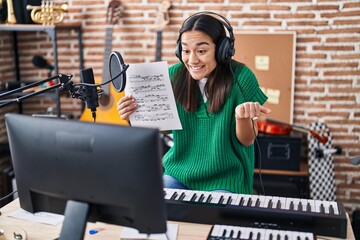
(225, 22)
(224, 49)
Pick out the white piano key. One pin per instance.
(236, 199)
(169, 193)
(215, 197)
(266, 202)
(216, 230)
(245, 232)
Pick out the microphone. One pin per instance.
(355, 160)
(41, 62)
(117, 71)
(91, 96)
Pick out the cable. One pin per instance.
(9, 195)
(125, 67)
(256, 139)
(259, 152)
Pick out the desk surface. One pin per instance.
(36, 231)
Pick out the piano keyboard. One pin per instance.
(227, 232)
(325, 218)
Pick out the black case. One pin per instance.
(279, 152)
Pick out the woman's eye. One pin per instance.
(185, 51)
(201, 51)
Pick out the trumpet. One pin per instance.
(47, 13)
(10, 12)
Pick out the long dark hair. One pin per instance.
(219, 83)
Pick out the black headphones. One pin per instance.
(225, 48)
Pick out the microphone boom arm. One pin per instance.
(64, 79)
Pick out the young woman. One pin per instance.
(218, 100)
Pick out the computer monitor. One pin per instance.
(99, 172)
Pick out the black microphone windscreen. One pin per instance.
(116, 65)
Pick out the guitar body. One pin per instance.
(106, 112)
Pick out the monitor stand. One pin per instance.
(76, 214)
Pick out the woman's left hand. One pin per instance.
(250, 110)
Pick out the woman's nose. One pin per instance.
(193, 58)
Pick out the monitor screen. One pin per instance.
(102, 172)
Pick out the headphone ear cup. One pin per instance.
(224, 50)
(178, 50)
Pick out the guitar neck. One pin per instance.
(107, 52)
(158, 45)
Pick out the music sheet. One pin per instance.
(149, 84)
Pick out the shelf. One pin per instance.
(302, 172)
(51, 30)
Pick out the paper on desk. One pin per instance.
(131, 233)
(150, 85)
(41, 217)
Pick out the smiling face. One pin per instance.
(198, 54)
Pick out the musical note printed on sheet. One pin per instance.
(150, 85)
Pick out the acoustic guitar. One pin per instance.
(106, 112)
(162, 19)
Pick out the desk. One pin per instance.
(37, 231)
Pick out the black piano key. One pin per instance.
(229, 200)
(174, 196)
(224, 233)
(331, 210)
(201, 198)
(258, 236)
(278, 237)
(286, 237)
(308, 207)
(257, 204)
(322, 208)
(208, 200)
(270, 204)
(300, 206)
(271, 236)
(221, 199)
(182, 196)
(251, 235)
(249, 202)
(193, 197)
(278, 204)
(241, 201)
(298, 238)
(231, 233)
(292, 206)
(238, 235)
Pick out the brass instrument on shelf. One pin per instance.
(10, 12)
(47, 13)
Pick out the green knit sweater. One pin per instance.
(206, 154)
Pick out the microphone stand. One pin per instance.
(63, 84)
